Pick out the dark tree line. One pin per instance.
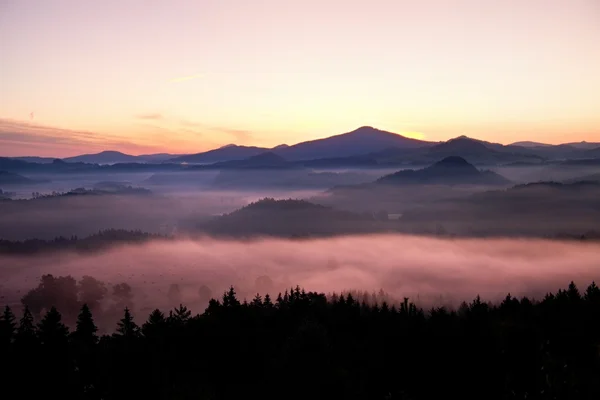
(303, 345)
(98, 241)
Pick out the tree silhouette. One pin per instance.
(257, 301)
(51, 330)
(156, 324)
(267, 303)
(85, 331)
(229, 299)
(181, 315)
(126, 327)
(26, 332)
(7, 327)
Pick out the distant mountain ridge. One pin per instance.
(362, 147)
(361, 141)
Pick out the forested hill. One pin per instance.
(96, 242)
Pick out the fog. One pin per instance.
(430, 271)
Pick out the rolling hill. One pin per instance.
(449, 171)
(226, 153)
(266, 160)
(9, 178)
(270, 217)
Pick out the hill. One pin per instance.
(287, 218)
(104, 157)
(9, 178)
(266, 160)
(449, 171)
(534, 209)
(363, 140)
(530, 144)
(226, 153)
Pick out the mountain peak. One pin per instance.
(453, 161)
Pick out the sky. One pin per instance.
(187, 76)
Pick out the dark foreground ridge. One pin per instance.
(305, 345)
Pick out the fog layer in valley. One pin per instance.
(430, 271)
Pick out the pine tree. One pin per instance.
(51, 330)
(26, 332)
(573, 292)
(126, 327)
(592, 293)
(7, 327)
(155, 325)
(229, 299)
(267, 303)
(85, 332)
(181, 315)
(257, 301)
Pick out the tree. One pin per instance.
(123, 296)
(85, 331)
(59, 292)
(91, 292)
(26, 332)
(573, 292)
(51, 330)
(229, 299)
(257, 301)
(7, 327)
(126, 327)
(155, 325)
(592, 293)
(267, 303)
(181, 315)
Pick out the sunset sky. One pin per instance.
(187, 76)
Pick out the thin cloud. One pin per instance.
(239, 134)
(151, 116)
(17, 138)
(186, 78)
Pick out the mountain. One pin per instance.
(156, 158)
(527, 143)
(584, 145)
(38, 160)
(449, 171)
(363, 140)
(227, 153)
(9, 178)
(266, 160)
(105, 157)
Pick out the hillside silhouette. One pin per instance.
(289, 218)
(449, 171)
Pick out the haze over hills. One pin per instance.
(226, 153)
(9, 178)
(114, 157)
(270, 217)
(363, 147)
(450, 170)
(266, 160)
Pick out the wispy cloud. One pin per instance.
(22, 138)
(150, 116)
(186, 78)
(239, 134)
